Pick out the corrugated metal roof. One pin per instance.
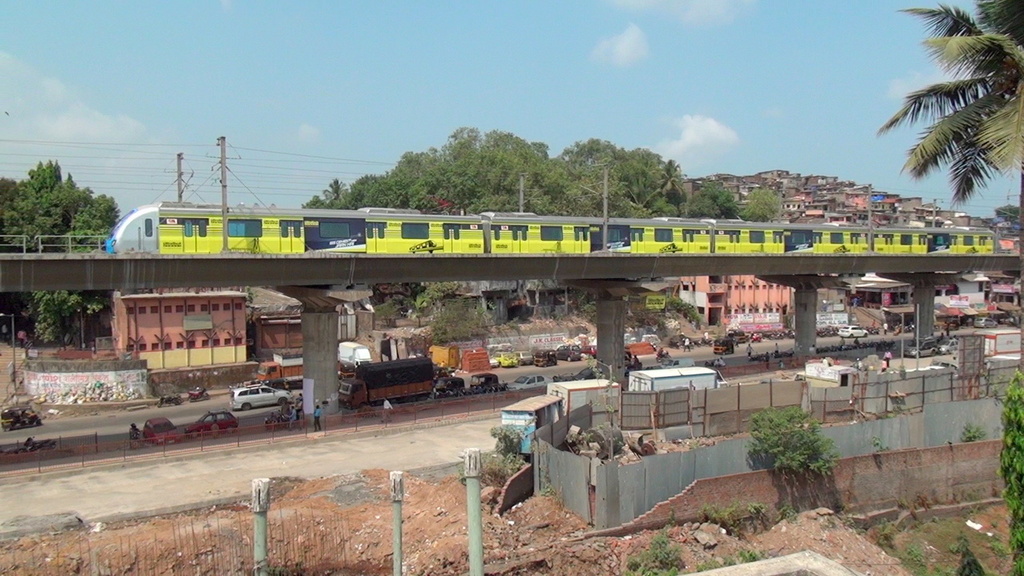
(532, 404)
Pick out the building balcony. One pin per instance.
(718, 288)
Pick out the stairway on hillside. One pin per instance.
(868, 317)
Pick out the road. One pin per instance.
(113, 425)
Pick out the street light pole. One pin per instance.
(604, 232)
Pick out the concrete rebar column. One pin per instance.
(924, 310)
(260, 506)
(397, 495)
(805, 305)
(474, 518)
(320, 354)
(611, 328)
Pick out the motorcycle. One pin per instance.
(198, 393)
(169, 400)
(33, 445)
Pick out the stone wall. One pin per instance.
(209, 377)
(916, 478)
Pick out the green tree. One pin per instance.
(712, 201)
(458, 320)
(969, 565)
(672, 186)
(1008, 212)
(48, 204)
(1011, 468)
(792, 441)
(763, 205)
(332, 197)
(58, 313)
(976, 119)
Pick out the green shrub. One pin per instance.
(508, 440)
(662, 558)
(792, 440)
(972, 433)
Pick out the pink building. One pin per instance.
(721, 298)
(181, 329)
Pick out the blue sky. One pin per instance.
(313, 90)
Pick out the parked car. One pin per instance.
(985, 323)
(247, 397)
(160, 431)
(950, 346)
(851, 331)
(545, 358)
(589, 350)
(928, 346)
(569, 352)
(585, 374)
(213, 421)
(529, 381)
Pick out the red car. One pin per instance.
(213, 421)
(160, 431)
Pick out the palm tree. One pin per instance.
(672, 185)
(976, 119)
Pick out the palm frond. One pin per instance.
(1002, 134)
(949, 134)
(947, 20)
(968, 171)
(938, 100)
(969, 56)
(1004, 17)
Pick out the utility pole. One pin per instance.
(223, 143)
(181, 181)
(871, 221)
(604, 233)
(522, 192)
(935, 211)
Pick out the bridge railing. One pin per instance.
(13, 243)
(68, 243)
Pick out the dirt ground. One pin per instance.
(342, 526)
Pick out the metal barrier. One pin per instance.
(91, 449)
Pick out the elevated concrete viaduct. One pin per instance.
(321, 281)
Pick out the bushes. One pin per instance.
(792, 441)
(662, 559)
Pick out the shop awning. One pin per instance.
(905, 309)
(1007, 307)
(951, 312)
(970, 312)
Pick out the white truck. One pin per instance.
(602, 394)
(1001, 341)
(352, 354)
(693, 378)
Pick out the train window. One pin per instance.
(149, 228)
(551, 233)
(615, 235)
(688, 235)
(581, 233)
(836, 237)
(662, 234)
(968, 240)
(637, 234)
(245, 228)
(519, 232)
(497, 233)
(334, 230)
(451, 231)
(757, 236)
(906, 239)
(854, 237)
(291, 229)
(195, 227)
(415, 230)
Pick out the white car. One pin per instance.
(246, 397)
(852, 332)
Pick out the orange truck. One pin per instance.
(285, 372)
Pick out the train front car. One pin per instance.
(137, 231)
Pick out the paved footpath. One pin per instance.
(124, 490)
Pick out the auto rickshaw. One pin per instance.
(19, 417)
(725, 346)
(545, 358)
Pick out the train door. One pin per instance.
(581, 239)
(194, 235)
(375, 237)
(452, 234)
(697, 240)
(291, 237)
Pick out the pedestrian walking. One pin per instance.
(885, 328)
(386, 416)
(776, 348)
(317, 413)
(750, 350)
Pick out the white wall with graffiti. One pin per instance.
(81, 386)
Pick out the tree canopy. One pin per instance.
(763, 205)
(712, 201)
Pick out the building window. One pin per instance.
(191, 307)
(154, 309)
(216, 341)
(215, 307)
(167, 345)
(130, 309)
(142, 310)
(180, 345)
(129, 348)
(203, 308)
(238, 341)
(191, 343)
(238, 305)
(180, 309)
(205, 343)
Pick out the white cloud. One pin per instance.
(900, 87)
(693, 12)
(308, 133)
(700, 139)
(623, 49)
